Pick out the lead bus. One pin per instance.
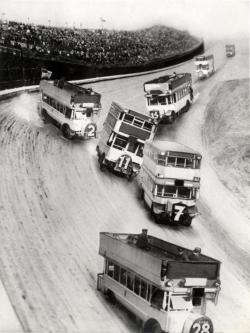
(72, 107)
(121, 143)
(170, 181)
(168, 96)
(165, 292)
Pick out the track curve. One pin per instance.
(54, 201)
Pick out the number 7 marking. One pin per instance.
(179, 211)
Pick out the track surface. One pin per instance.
(54, 201)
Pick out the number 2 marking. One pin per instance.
(204, 328)
(179, 211)
(91, 130)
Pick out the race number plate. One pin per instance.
(202, 325)
(178, 212)
(91, 130)
(155, 114)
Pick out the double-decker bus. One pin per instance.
(170, 181)
(121, 143)
(166, 292)
(72, 107)
(168, 96)
(230, 50)
(204, 66)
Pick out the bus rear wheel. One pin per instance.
(111, 297)
(66, 132)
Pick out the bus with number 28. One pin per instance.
(164, 292)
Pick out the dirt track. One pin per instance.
(55, 201)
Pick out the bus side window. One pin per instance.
(116, 273)
(68, 113)
(110, 269)
(157, 298)
(144, 289)
(130, 281)
(137, 285)
(123, 277)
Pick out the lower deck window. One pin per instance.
(169, 191)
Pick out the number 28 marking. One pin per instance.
(204, 328)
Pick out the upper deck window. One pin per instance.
(138, 122)
(147, 126)
(128, 118)
(179, 162)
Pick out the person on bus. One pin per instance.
(182, 255)
(142, 240)
(196, 254)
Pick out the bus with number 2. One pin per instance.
(72, 107)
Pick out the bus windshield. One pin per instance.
(160, 100)
(180, 302)
(80, 115)
(171, 191)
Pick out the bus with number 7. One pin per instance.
(165, 292)
(170, 181)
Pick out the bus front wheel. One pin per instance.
(187, 221)
(152, 326)
(102, 162)
(66, 131)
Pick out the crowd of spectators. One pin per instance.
(96, 46)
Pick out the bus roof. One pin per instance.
(69, 92)
(119, 108)
(163, 146)
(171, 78)
(167, 83)
(122, 248)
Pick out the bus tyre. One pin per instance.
(141, 194)
(111, 297)
(44, 115)
(66, 131)
(172, 117)
(187, 221)
(187, 106)
(152, 326)
(102, 162)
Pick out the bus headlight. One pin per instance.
(217, 283)
(196, 179)
(169, 283)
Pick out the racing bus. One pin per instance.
(72, 107)
(121, 143)
(230, 50)
(164, 291)
(204, 66)
(170, 181)
(168, 96)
